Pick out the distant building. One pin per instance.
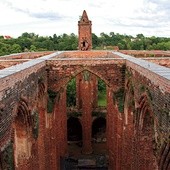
(7, 37)
(85, 33)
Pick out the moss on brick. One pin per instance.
(99, 114)
(7, 157)
(51, 100)
(74, 114)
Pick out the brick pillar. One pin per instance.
(79, 78)
(86, 94)
(119, 142)
(94, 90)
(63, 122)
(41, 147)
(128, 135)
(112, 130)
(61, 126)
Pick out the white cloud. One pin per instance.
(47, 17)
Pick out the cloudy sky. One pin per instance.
(47, 17)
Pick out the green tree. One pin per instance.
(15, 48)
(33, 48)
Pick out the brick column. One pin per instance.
(86, 94)
(128, 146)
(94, 90)
(111, 130)
(41, 146)
(61, 122)
(79, 78)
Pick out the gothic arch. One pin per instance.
(41, 88)
(129, 101)
(146, 134)
(22, 132)
(89, 70)
(145, 110)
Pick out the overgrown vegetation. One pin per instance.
(33, 42)
(51, 100)
(71, 93)
(101, 93)
(99, 114)
(74, 114)
(7, 158)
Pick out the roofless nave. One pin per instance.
(39, 131)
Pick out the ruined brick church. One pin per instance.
(39, 131)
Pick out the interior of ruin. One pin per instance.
(85, 109)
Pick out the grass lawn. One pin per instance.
(102, 99)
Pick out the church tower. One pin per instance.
(85, 33)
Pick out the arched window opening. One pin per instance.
(71, 93)
(84, 43)
(146, 142)
(74, 130)
(22, 133)
(148, 123)
(101, 93)
(99, 130)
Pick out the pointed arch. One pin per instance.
(22, 132)
(144, 108)
(41, 88)
(146, 133)
(82, 70)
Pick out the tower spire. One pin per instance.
(84, 17)
(85, 34)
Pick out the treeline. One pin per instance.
(33, 42)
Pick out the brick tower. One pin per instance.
(85, 35)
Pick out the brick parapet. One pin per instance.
(157, 74)
(26, 55)
(146, 53)
(163, 61)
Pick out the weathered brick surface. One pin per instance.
(27, 55)
(150, 128)
(9, 63)
(137, 138)
(61, 72)
(138, 107)
(144, 54)
(164, 61)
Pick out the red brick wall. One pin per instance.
(137, 138)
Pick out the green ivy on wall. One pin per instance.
(74, 114)
(7, 158)
(99, 114)
(51, 100)
(86, 75)
(71, 93)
